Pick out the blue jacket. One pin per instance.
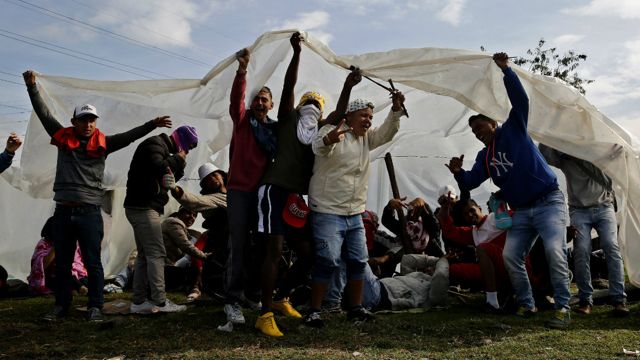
(513, 161)
(5, 160)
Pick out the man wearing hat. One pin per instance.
(82, 151)
(144, 203)
(337, 197)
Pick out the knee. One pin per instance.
(325, 268)
(512, 259)
(355, 269)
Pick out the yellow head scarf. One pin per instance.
(312, 95)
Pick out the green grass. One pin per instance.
(458, 332)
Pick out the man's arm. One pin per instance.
(517, 95)
(199, 203)
(352, 80)
(469, 180)
(287, 102)
(237, 107)
(179, 236)
(119, 141)
(390, 126)
(6, 157)
(50, 123)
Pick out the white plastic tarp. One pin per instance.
(442, 86)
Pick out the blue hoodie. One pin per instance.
(514, 162)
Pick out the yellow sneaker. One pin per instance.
(267, 325)
(286, 309)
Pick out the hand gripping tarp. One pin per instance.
(442, 86)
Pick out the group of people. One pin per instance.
(258, 209)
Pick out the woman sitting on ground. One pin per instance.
(43, 263)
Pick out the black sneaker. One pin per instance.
(94, 314)
(490, 309)
(360, 315)
(57, 313)
(313, 319)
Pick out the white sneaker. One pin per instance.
(234, 313)
(144, 308)
(171, 307)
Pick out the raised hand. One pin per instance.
(13, 143)
(398, 100)
(243, 59)
(397, 204)
(501, 59)
(455, 164)
(336, 135)
(162, 121)
(353, 78)
(295, 40)
(29, 77)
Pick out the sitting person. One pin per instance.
(488, 241)
(212, 204)
(176, 242)
(385, 251)
(42, 278)
(414, 290)
(421, 226)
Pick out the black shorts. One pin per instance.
(271, 202)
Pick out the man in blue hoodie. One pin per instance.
(513, 162)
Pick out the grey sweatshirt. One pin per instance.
(584, 180)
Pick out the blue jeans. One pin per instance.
(546, 218)
(335, 237)
(81, 224)
(603, 219)
(333, 297)
(371, 289)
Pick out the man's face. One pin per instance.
(360, 121)
(84, 126)
(472, 214)
(261, 105)
(213, 182)
(484, 130)
(187, 217)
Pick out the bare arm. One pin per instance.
(352, 80)
(287, 102)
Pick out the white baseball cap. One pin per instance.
(205, 170)
(446, 190)
(84, 110)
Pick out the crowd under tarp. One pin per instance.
(443, 87)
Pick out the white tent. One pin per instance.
(442, 86)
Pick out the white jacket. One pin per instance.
(341, 171)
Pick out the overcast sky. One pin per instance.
(185, 38)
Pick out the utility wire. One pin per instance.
(123, 20)
(11, 82)
(85, 54)
(15, 107)
(71, 55)
(8, 73)
(57, 15)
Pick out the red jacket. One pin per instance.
(248, 161)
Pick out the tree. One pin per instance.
(548, 62)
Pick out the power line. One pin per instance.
(73, 56)
(12, 82)
(15, 107)
(57, 15)
(8, 73)
(86, 54)
(203, 49)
